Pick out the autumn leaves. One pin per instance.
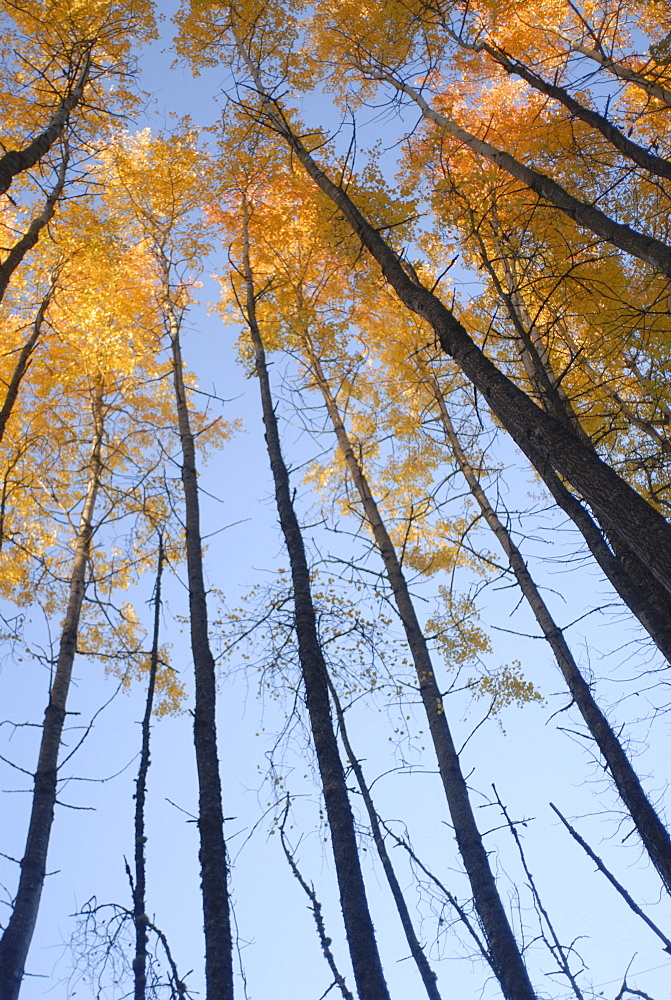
(536, 157)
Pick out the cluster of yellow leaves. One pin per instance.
(504, 687)
(43, 44)
(170, 693)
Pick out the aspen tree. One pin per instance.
(97, 360)
(366, 963)
(545, 441)
(297, 257)
(105, 457)
(18, 933)
(442, 35)
(537, 434)
(156, 194)
(213, 852)
(506, 958)
(653, 833)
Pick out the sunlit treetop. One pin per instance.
(156, 187)
(44, 48)
(216, 34)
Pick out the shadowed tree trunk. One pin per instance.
(24, 358)
(427, 974)
(643, 594)
(507, 960)
(366, 964)
(213, 854)
(653, 833)
(18, 934)
(15, 161)
(140, 918)
(32, 234)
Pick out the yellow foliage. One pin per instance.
(504, 687)
(169, 693)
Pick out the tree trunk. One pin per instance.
(621, 71)
(140, 884)
(646, 598)
(15, 161)
(506, 956)
(650, 828)
(25, 355)
(18, 934)
(427, 974)
(657, 626)
(366, 964)
(32, 234)
(213, 855)
(639, 245)
(631, 150)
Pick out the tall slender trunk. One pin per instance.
(656, 625)
(213, 854)
(366, 964)
(140, 883)
(627, 147)
(653, 833)
(18, 934)
(637, 244)
(620, 70)
(427, 974)
(506, 956)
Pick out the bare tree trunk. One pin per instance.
(507, 960)
(140, 918)
(213, 854)
(657, 626)
(17, 936)
(650, 828)
(621, 71)
(630, 149)
(427, 974)
(643, 594)
(366, 964)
